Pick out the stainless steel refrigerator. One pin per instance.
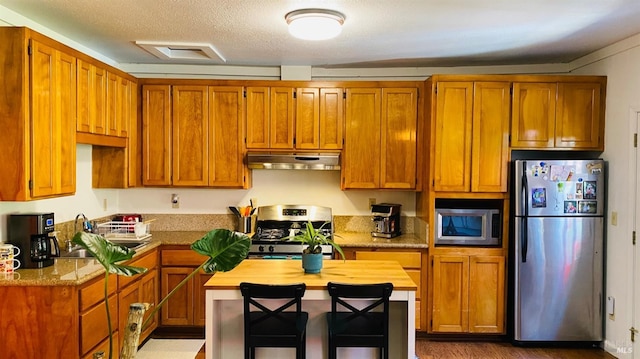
(558, 245)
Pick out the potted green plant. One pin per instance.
(225, 249)
(312, 253)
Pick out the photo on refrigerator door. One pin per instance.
(589, 207)
(539, 197)
(570, 207)
(590, 190)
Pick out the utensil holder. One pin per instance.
(245, 224)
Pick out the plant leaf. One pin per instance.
(225, 249)
(107, 253)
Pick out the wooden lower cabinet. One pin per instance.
(411, 261)
(468, 294)
(186, 306)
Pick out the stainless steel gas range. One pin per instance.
(275, 223)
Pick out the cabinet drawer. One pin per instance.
(149, 261)
(104, 347)
(93, 328)
(181, 258)
(406, 259)
(93, 293)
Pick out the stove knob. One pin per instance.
(261, 248)
(272, 249)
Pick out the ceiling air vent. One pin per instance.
(181, 51)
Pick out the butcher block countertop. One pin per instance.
(67, 271)
(287, 271)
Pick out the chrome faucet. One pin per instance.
(68, 243)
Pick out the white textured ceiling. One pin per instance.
(376, 33)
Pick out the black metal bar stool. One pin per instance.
(271, 326)
(359, 327)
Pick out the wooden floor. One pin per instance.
(429, 349)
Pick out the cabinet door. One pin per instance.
(190, 131)
(199, 298)
(281, 119)
(361, 156)
(113, 84)
(156, 135)
(307, 118)
(398, 142)
(126, 297)
(45, 130)
(149, 294)
(533, 115)
(452, 133)
(85, 88)
(450, 294)
(66, 116)
(486, 294)
(53, 99)
(99, 103)
(490, 142)
(124, 107)
(258, 103)
(179, 309)
(331, 118)
(226, 150)
(578, 123)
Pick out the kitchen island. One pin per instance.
(224, 313)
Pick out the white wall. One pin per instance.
(620, 65)
(86, 200)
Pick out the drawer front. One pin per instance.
(149, 261)
(104, 347)
(93, 293)
(406, 259)
(93, 328)
(181, 258)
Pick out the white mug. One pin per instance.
(8, 251)
(9, 265)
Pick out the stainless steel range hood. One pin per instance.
(293, 161)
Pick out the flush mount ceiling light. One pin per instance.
(315, 24)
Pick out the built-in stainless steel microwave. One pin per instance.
(468, 227)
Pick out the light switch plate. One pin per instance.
(611, 304)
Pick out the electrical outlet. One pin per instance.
(372, 201)
(175, 201)
(614, 218)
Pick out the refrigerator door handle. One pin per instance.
(524, 242)
(525, 210)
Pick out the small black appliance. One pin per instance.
(34, 234)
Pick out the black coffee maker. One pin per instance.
(33, 234)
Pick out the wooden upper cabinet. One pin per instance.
(398, 138)
(156, 135)
(125, 107)
(331, 118)
(270, 117)
(319, 118)
(258, 105)
(490, 140)
(226, 150)
(558, 115)
(578, 122)
(53, 84)
(471, 136)
(533, 115)
(361, 156)
(452, 136)
(96, 105)
(190, 131)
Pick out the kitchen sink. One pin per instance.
(79, 252)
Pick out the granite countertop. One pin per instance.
(72, 272)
